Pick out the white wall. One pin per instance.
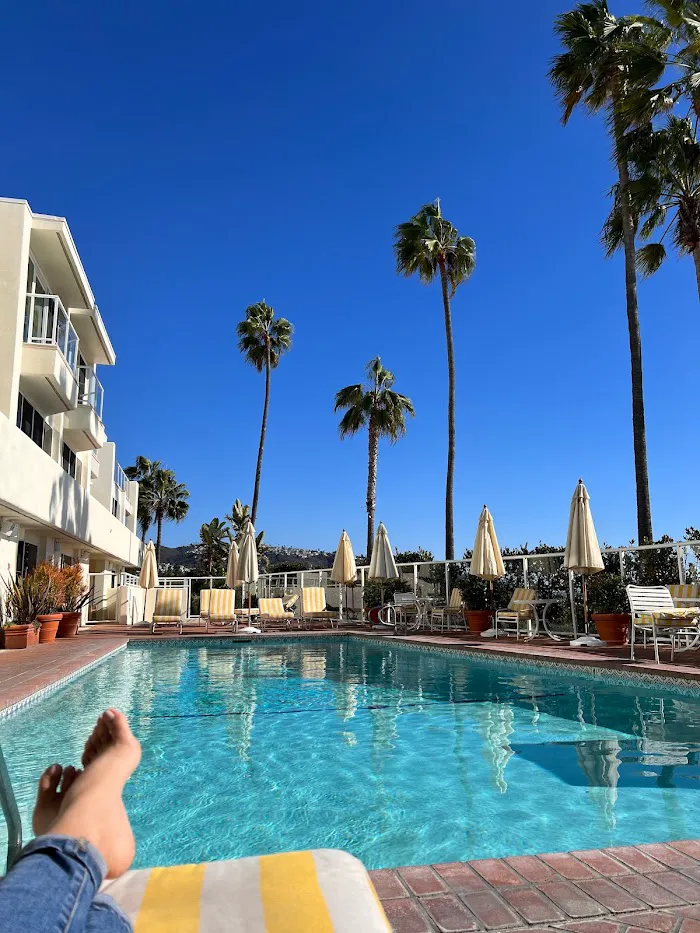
(32, 483)
(15, 231)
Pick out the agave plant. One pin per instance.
(26, 598)
(75, 591)
(49, 575)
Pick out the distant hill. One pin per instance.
(183, 559)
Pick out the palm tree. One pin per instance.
(215, 537)
(428, 245)
(383, 412)
(166, 500)
(605, 63)
(237, 516)
(665, 191)
(143, 472)
(262, 339)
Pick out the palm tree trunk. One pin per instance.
(372, 458)
(159, 536)
(696, 260)
(449, 485)
(641, 468)
(263, 431)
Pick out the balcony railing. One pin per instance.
(119, 477)
(90, 391)
(46, 322)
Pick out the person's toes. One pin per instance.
(47, 800)
(48, 782)
(69, 775)
(118, 726)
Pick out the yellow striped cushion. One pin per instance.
(522, 594)
(223, 605)
(204, 598)
(456, 598)
(273, 608)
(323, 891)
(314, 599)
(684, 591)
(168, 605)
(666, 617)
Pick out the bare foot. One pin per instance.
(53, 784)
(91, 806)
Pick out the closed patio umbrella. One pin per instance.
(582, 553)
(382, 567)
(486, 561)
(231, 566)
(247, 565)
(148, 578)
(344, 568)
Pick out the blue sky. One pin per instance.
(211, 155)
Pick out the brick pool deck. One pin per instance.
(634, 889)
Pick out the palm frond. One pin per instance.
(650, 258)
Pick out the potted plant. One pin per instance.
(76, 595)
(26, 598)
(476, 598)
(49, 576)
(607, 601)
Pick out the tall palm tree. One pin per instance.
(383, 412)
(429, 246)
(237, 516)
(143, 472)
(664, 192)
(215, 537)
(167, 501)
(607, 61)
(262, 339)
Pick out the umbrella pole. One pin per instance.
(572, 602)
(585, 603)
(340, 600)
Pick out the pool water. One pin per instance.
(398, 755)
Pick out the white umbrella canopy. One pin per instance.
(486, 561)
(582, 553)
(382, 566)
(148, 578)
(247, 565)
(232, 566)
(344, 567)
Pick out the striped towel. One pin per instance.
(324, 891)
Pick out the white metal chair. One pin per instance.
(452, 612)
(521, 608)
(653, 611)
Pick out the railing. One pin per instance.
(119, 477)
(90, 390)
(46, 322)
(678, 562)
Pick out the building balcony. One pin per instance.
(49, 356)
(95, 344)
(82, 427)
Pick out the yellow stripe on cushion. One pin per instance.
(171, 900)
(292, 898)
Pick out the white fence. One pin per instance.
(679, 562)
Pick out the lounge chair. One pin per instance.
(453, 612)
(222, 609)
(204, 598)
(168, 608)
(520, 609)
(272, 612)
(685, 594)
(289, 602)
(654, 612)
(314, 606)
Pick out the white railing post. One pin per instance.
(681, 564)
(622, 566)
(447, 582)
(526, 568)
(415, 579)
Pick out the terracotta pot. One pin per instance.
(49, 627)
(19, 636)
(613, 627)
(68, 626)
(478, 620)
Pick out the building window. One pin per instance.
(67, 561)
(70, 463)
(27, 555)
(115, 508)
(33, 425)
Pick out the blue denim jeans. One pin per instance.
(53, 888)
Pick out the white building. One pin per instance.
(63, 494)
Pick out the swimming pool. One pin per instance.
(401, 756)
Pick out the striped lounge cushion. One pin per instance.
(168, 605)
(204, 600)
(273, 608)
(667, 617)
(683, 592)
(324, 891)
(314, 600)
(521, 594)
(222, 605)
